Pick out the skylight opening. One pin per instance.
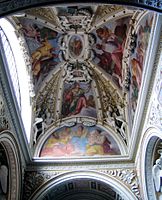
(18, 72)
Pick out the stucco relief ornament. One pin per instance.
(34, 179)
(4, 124)
(27, 59)
(38, 128)
(77, 72)
(88, 122)
(115, 119)
(154, 118)
(128, 176)
(78, 21)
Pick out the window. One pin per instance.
(17, 70)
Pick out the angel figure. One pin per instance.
(3, 181)
(38, 126)
(86, 73)
(110, 119)
(68, 75)
(123, 125)
(157, 175)
(118, 115)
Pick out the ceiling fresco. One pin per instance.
(86, 65)
(43, 47)
(108, 48)
(79, 140)
(137, 60)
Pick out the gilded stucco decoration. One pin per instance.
(105, 11)
(46, 14)
(45, 107)
(86, 66)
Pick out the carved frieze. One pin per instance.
(33, 180)
(36, 179)
(128, 177)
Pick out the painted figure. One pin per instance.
(44, 52)
(74, 100)
(111, 46)
(79, 141)
(75, 45)
(59, 145)
(137, 61)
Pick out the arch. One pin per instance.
(117, 186)
(10, 145)
(148, 145)
(41, 142)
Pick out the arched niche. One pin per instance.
(150, 146)
(10, 146)
(92, 184)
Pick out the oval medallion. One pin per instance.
(75, 46)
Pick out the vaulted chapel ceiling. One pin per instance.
(86, 65)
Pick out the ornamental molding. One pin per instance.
(128, 177)
(155, 113)
(12, 114)
(78, 165)
(27, 58)
(35, 180)
(9, 142)
(150, 191)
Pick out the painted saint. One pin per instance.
(78, 99)
(75, 46)
(109, 49)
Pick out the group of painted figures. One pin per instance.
(79, 141)
(105, 52)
